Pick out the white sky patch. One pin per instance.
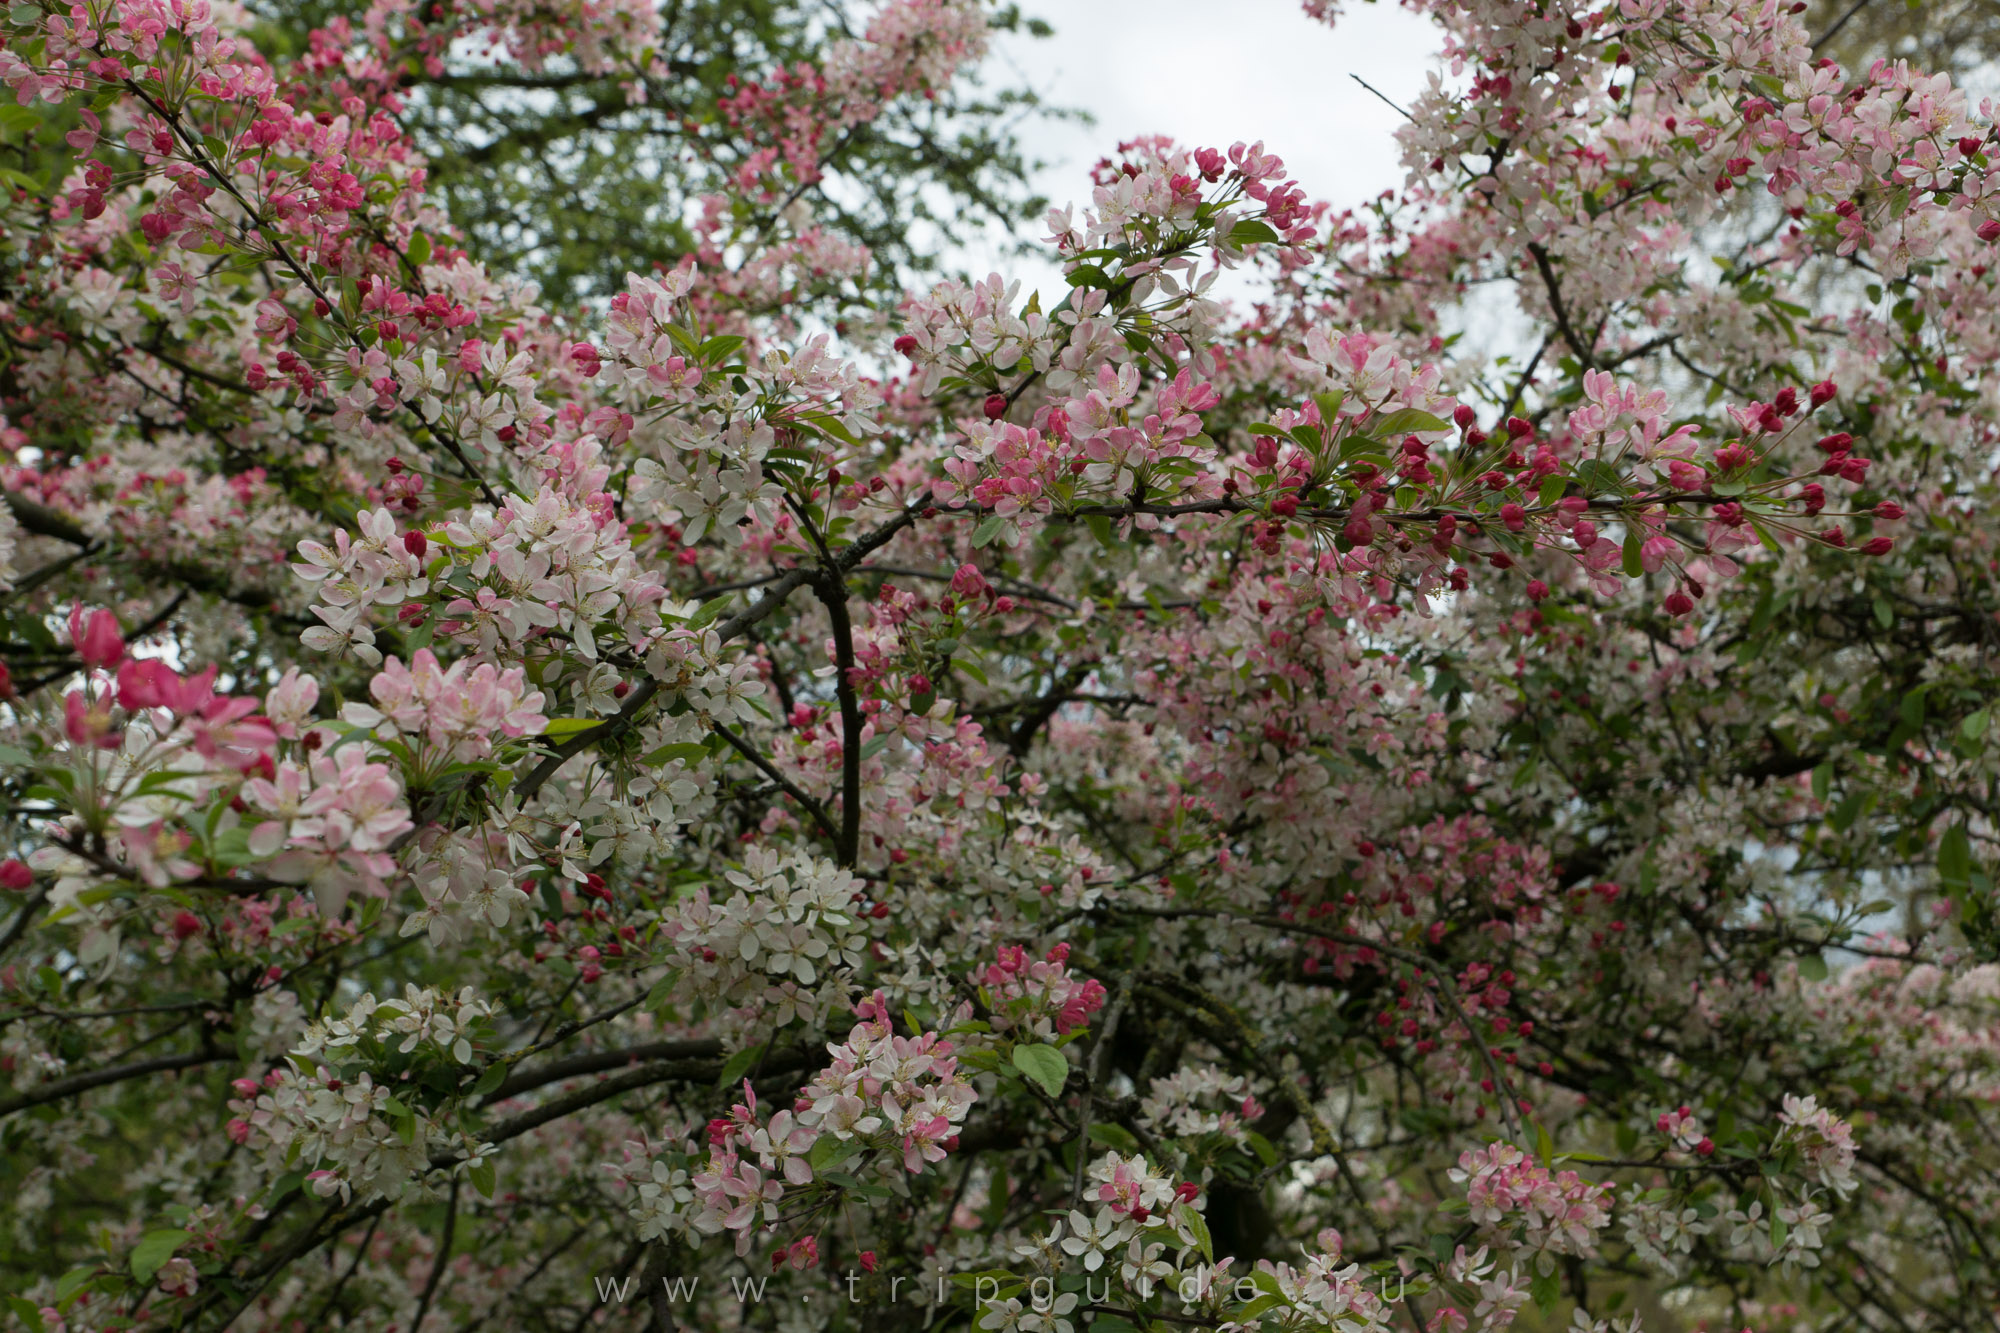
(1211, 75)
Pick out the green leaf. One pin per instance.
(710, 609)
(489, 1078)
(1199, 1227)
(1822, 781)
(1329, 408)
(1633, 567)
(720, 348)
(1598, 477)
(560, 729)
(1115, 1137)
(686, 751)
(1546, 1290)
(987, 531)
(1954, 857)
(1045, 1065)
(1405, 422)
(154, 1249)
(1252, 232)
(1248, 1312)
(1848, 811)
(1974, 725)
(829, 1152)
(25, 1311)
(420, 249)
(1089, 275)
(481, 1174)
(1812, 967)
(737, 1065)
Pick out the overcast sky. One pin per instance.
(1210, 74)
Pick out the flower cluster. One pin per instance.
(1037, 998)
(457, 713)
(1546, 1213)
(777, 943)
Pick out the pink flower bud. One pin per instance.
(996, 406)
(97, 639)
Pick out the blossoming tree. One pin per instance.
(754, 803)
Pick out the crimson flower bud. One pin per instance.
(395, 466)
(906, 346)
(1834, 537)
(1515, 517)
(1678, 604)
(415, 543)
(1889, 511)
(1537, 590)
(1969, 144)
(1519, 428)
(15, 875)
(1822, 393)
(1878, 546)
(1989, 230)
(996, 406)
(1464, 416)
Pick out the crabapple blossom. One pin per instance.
(1176, 809)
